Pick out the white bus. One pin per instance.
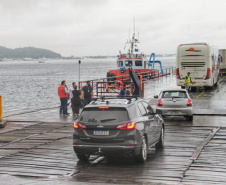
(201, 60)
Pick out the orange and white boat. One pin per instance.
(132, 57)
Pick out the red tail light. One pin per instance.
(128, 126)
(103, 107)
(159, 103)
(79, 125)
(178, 74)
(189, 103)
(207, 74)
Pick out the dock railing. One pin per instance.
(111, 86)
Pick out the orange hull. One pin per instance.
(125, 75)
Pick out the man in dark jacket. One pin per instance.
(87, 93)
(123, 91)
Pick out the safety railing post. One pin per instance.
(1, 115)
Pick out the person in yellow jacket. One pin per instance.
(187, 81)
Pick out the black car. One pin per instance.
(117, 127)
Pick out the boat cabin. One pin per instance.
(136, 61)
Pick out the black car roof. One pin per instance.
(113, 102)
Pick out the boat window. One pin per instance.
(138, 63)
(128, 63)
(120, 63)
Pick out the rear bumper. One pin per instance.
(202, 83)
(175, 112)
(107, 150)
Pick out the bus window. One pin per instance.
(120, 63)
(138, 63)
(128, 63)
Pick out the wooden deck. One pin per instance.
(192, 155)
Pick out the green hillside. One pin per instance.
(27, 52)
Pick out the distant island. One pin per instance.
(27, 52)
(30, 53)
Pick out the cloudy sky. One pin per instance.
(101, 27)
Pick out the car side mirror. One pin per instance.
(156, 96)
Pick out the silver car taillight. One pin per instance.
(189, 103)
(159, 103)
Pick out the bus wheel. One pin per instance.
(193, 89)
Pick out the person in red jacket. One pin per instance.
(63, 94)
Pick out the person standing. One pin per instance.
(71, 89)
(63, 94)
(123, 91)
(187, 81)
(87, 93)
(76, 101)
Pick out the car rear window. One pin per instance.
(104, 115)
(174, 94)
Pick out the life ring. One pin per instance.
(118, 84)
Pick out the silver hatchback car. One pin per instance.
(176, 102)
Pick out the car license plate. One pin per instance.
(101, 132)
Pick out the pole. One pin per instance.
(1, 108)
(79, 62)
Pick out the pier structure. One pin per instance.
(36, 147)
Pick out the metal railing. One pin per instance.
(107, 87)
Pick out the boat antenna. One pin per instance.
(134, 25)
(129, 34)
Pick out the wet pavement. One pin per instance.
(36, 147)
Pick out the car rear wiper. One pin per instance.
(104, 120)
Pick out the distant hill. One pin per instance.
(27, 52)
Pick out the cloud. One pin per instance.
(100, 27)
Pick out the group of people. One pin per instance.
(78, 98)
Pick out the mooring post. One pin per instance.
(2, 122)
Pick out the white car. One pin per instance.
(175, 102)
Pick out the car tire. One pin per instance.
(83, 156)
(160, 142)
(142, 157)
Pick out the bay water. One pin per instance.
(33, 85)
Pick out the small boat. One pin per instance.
(41, 61)
(134, 58)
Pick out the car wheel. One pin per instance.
(142, 157)
(83, 156)
(160, 143)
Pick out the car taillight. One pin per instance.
(79, 125)
(159, 102)
(128, 126)
(189, 103)
(207, 74)
(178, 74)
